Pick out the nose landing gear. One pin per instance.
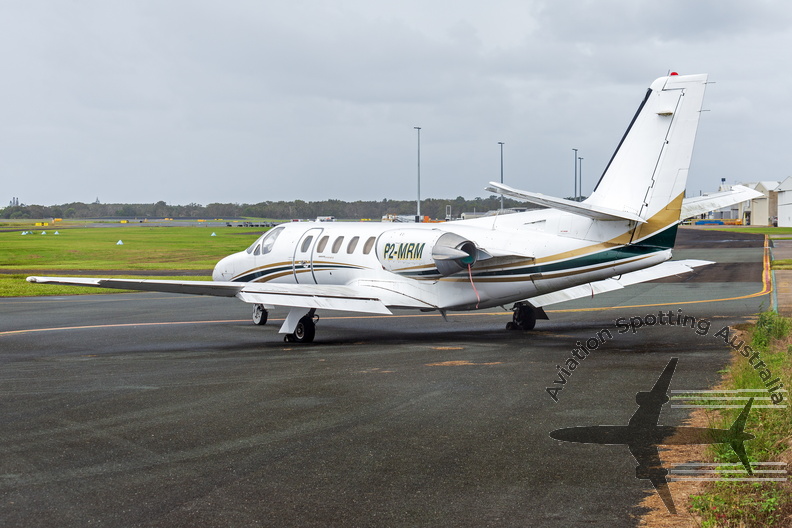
(260, 314)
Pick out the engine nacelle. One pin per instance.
(425, 252)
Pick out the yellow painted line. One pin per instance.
(462, 363)
(166, 323)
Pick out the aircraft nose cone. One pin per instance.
(223, 270)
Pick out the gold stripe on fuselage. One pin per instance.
(663, 219)
(260, 268)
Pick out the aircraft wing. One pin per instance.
(697, 205)
(569, 206)
(664, 381)
(350, 298)
(194, 287)
(651, 468)
(651, 403)
(664, 269)
(324, 297)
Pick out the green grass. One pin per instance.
(756, 230)
(781, 264)
(749, 503)
(144, 248)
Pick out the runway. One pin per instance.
(163, 410)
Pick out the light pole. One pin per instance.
(418, 214)
(501, 149)
(574, 159)
(580, 174)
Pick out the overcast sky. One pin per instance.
(191, 101)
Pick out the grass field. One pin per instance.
(772, 231)
(734, 503)
(163, 249)
(144, 248)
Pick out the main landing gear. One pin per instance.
(305, 330)
(524, 317)
(302, 332)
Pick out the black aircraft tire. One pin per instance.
(529, 321)
(305, 331)
(260, 314)
(525, 317)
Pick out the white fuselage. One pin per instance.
(520, 256)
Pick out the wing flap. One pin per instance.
(346, 298)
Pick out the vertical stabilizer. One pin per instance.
(647, 174)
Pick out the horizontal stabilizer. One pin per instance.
(697, 205)
(579, 208)
(576, 292)
(665, 269)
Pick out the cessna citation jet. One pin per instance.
(621, 235)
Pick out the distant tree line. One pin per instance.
(374, 210)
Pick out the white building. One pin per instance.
(785, 203)
(764, 209)
(760, 211)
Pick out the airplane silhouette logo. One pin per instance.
(643, 436)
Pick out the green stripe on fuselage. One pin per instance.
(659, 242)
(663, 240)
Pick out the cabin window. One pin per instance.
(268, 241)
(337, 244)
(306, 243)
(368, 245)
(254, 245)
(263, 244)
(322, 243)
(352, 245)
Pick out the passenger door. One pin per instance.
(302, 262)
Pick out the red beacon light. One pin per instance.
(673, 73)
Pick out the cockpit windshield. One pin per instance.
(264, 244)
